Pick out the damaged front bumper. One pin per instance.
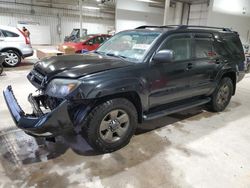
(57, 122)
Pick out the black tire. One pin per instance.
(222, 95)
(91, 127)
(12, 59)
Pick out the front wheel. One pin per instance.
(110, 125)
(222, 95)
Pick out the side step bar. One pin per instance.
(175, 109)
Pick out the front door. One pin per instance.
(170, 82)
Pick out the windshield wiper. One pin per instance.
(119, 56)
(97, 52)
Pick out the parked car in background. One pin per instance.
(88, 43)
(75, 35)
(15, 44)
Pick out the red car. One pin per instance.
(88, 43)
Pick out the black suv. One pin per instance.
(137, 75)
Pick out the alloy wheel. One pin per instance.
(114, 126)
(11, 58)
(223, 95)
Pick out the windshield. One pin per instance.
(130, 45)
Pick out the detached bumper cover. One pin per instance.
(57, 122)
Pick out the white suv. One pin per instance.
(15, 44)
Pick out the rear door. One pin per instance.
(204, 65)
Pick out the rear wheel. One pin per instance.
(222, 95)
(12, 58)
(110, 125)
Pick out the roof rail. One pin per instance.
(153, 26)
(203, 27)
(184, 27)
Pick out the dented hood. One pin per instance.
(75, 66)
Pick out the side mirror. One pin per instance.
(164, 56)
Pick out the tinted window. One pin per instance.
(220, 49)
(181, 45)
(9, 34)
(203, 47)
(232, 44)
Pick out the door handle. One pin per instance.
(219, 61)
(189, 66)
(1, 39)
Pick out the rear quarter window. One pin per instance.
(232, 45)
(9, 34)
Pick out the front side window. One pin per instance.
(181, 45)
(131, 45)
(90, 42)
(99, 40)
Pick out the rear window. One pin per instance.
(9, 34)
(232, 44)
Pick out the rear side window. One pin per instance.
(9, 34)
(181, 45)
(203, 46)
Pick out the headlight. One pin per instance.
(61, 87)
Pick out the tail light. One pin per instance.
(27, 40)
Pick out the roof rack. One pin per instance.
(203, 27)
(185, 27)
(153, 26)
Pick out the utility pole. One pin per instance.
(80, 7)
(166, 12)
